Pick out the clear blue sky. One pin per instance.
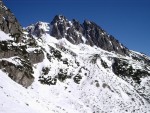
(127, 20)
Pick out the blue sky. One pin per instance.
(127, 20)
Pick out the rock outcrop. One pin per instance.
(21, 73)
(9, 23)
(95, 35)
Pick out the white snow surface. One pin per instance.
(99, 91)
(4, 36)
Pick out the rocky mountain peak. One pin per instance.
(62, 28)
(38, 29)
(59, 19)
(75, 32)
(9, 24)
(88, 32)
(99, 37)
(78, 26)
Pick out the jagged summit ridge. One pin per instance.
(88, 32)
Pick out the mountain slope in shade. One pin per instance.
(68, 67)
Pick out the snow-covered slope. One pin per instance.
(4, 36)
(76, 79)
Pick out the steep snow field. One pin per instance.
(87, 86)
(4, 36)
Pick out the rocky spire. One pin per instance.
(74, 32)
(62, 28)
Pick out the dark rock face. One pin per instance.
(59, 26)
(9, 24)
(62, 28)
(21, 74)
(78, 26)
(36, 30)
(7, 50)
(97, 36)
(36, 56)
(73, 31)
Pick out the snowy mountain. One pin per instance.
(68, 67)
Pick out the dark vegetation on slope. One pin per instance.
(123, 69)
